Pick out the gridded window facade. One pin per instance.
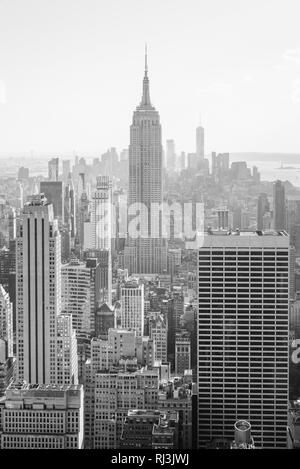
(243, 339)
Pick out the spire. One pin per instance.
(146, 62)
(146, 95)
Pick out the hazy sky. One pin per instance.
(71, 73)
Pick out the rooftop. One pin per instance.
(23, 386)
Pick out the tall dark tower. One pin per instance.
(146, 253)
(263, 207)
(279, 206)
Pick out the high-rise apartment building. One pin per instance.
(243, 336)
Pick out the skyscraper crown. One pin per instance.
(145, 102)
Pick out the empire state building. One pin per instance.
(147, 253)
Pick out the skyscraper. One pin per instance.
(53, 166)
(200, 144)
(146, 253)
(263, 207)
(171, 155)
(280, 212)
(243, 336)
(132, 307)
(54, 195)
(6, 340)
(101, 228)
(38, 291)
(38, 281)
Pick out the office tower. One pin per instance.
(38, 291)
(8, 274)
(20, 195)
(109, 161)
(132, 307)
(237, 218)
(223, 219)
(66, 168)
(293, 222)
(171, 155)
(263, 207)
(12, 225)
(192, 161)
(175, 312)
(240, 171)
(7, 361)
(83, 217)
(255, 175)
(104, 264)
(220, 165)
(124, 155)
(38, 298)
(71, 203)
(53, 192)
(42, 417)
(105, 319)
(182, 161)
(6, 323)
(242, 436)
(200, 144)
(53, 169)
(66, 243)
(158, 331)
(182, 352)
(101, 214)
(147, 253)
(23, 173)
(279, 208)
(243, 336)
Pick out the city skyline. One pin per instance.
(245, 86)
(149, 288)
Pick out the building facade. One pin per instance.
(243, 330)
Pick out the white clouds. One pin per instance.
(292, 55)
(2, 92)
